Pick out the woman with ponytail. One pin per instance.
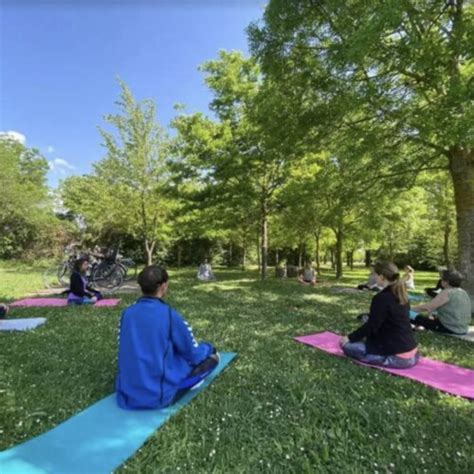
(387, 337)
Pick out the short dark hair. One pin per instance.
(453, 277)
(151, 278)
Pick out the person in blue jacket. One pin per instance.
(159, 359)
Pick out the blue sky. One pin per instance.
(60, 60)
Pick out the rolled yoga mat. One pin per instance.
(42, 302)
(440, 375)
(96, 440)
(20, 324)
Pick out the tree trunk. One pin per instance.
(264, 230)
(149, 248)
(277, 257)
(180, 254)
(350, 259)
(368, 258)
(390, 249)
(447, 233)
(333, 261)
(318, 258)
(229, 262)
(259, 260)
(339, 242)
(244, 257)
(461, 164)
(300, 255)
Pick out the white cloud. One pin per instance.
(12, 135)
(50, 149)
(64, 163)
(60, 165)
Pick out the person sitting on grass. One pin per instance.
(452, 307)
(371, 282)
(386, 338)
(205, 272)
(3, 310)
(79, 291)
(433, 292)
(409, 277)
(308, 277)
(159, 359)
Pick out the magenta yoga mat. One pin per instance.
(440, 375)
(43, 302)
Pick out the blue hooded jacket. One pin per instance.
(157, 352)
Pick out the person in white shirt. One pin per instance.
(371, 282)
(308, 277)
(205, 272)
(409, 277)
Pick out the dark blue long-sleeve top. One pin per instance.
(157, 351)
(388, 330)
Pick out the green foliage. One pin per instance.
(28, 225)
(128, 191)
(391, 79)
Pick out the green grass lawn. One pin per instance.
(280, 407)
(18, 279)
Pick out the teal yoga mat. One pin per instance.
(96, 440)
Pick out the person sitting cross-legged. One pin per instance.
(80, 292)
(205, 272)
(433, 292)
(386, 338)
(3, 310)
(371, 282)
(159, 359)
(452, 307)
(308, 277)
(409, 277)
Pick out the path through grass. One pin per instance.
(280, 407)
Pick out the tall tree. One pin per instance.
(235, 155)
(406, 67)
(128, 188)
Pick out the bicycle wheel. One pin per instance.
(107, 276)
(64, 274)
(116, 278)
(132, 269)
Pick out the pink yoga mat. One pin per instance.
(445, 377)
(39, 302)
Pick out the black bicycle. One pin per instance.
(129, 268)
(105, 272)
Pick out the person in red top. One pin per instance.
(387, 337)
